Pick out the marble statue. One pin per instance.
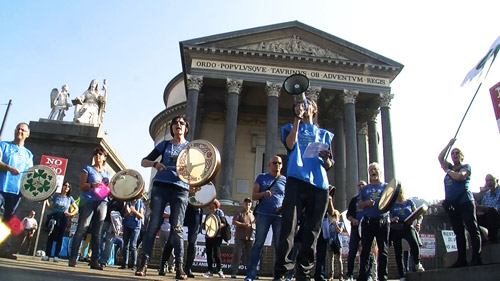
(59, 103)
(91, 105)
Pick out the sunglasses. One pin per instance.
(179, 122)
(277, 163)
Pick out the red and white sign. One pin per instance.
(59, 166)
(495, 98)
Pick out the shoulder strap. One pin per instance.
(271, 185)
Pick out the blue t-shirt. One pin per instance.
(454, 189)
(93, 176)
(402, 210)
(18, 157)
(309, 170)
(373, 192)
(131, 220)
(169, 160)
(61, 204)
(268, 205)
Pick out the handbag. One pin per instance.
(102, 190)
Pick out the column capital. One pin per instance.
(273, 89)
(350, 95)
(369, 114)
(194, 82)
(313, 93)
(362, 128)
(234, 85)
(385, 99)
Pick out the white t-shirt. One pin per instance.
(165, 226)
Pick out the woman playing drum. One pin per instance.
(212, 243)
(400, 230)
(93, 206)
(60, 211)
(167, 188)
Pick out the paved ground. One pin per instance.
(27, 268)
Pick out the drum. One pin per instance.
(417, 213)
(212, 225)
(201, 196)
(389, 195)
(198, 163)
(39, 183)
(127, 185)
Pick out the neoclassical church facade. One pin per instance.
(231, 92)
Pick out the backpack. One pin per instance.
(225, 231)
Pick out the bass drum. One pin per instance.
(389, 195)
(212, 225)
(127, 185)
(39, 183)
(201, 196)
(198, 163)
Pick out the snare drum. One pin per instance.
(201, 196)
(127, 185)
(212, 225)
(415, 214)
(39, 183)
(198, 163)
(389, 195)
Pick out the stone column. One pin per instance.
(228, 149)
(273, 93)
(372, 114)
(339, 156)
(362, 128)
(351, 142)
(385, 113)
(194, 84)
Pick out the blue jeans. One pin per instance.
(262, 225)
(130, 236)
(162, 194)
(95, 212)
(109, 236)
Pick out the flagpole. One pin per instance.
(467, 111)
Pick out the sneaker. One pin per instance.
(221, 274)
(56, 259)
(419, 267)
(171, 269)
(45, 258)
(208, 274)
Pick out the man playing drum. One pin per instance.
(167, 188)
(374, 224)
(309, 159)
(14, 159)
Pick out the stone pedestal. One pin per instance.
(74, 142)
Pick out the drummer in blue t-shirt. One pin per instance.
(374, 224)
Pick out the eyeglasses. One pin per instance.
(277, 163)
(179, 122)
(100, 154)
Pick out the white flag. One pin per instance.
(486, 60)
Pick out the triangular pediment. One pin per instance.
(291, 38)
(294, 45)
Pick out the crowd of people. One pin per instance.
(307, 229)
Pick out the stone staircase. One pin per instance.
(489, 271)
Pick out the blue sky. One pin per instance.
(135, 46)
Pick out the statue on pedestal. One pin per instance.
(90, 107)
(59, 103)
